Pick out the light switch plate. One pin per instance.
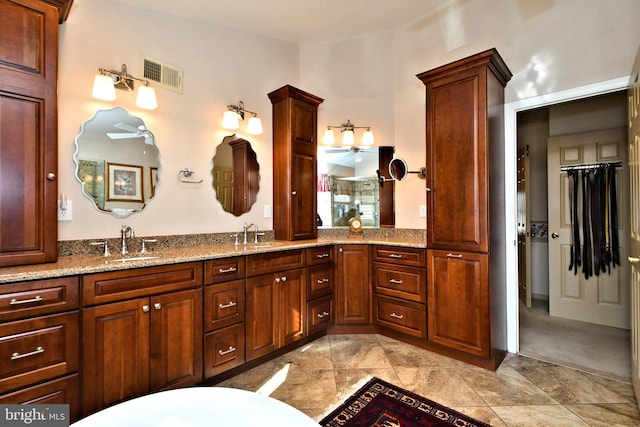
(65, 214)
(423, 211)
(267, 211)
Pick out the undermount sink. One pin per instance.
(137, 258)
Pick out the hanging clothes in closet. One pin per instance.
(593, 210)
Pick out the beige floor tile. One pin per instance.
(442, 385)
(481, 413)
(608, 415)
(358, 354)
(538, 416)
(307, 389)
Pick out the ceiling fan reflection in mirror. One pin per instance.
(131, 132)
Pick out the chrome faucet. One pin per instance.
(123, 233)
(244, 233)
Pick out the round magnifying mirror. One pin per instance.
(398, 169)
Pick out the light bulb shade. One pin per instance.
(103, 88)
(146, 98)
(230, 120)
(328, 138)
(347, 138)
(254, 127)
(367, 138)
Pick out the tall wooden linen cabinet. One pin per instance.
(29, 130)
(466, 282)
(295, 130)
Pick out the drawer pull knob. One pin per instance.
(16, 356)
(397, 316)
(145, 308)
(157, 306)
(284, 278)
(450, 255)
(395, 256)
(323, 314)
(324, 255)
(395, 281)
(14, 301)
(321, 281)
(227, 270)
(230, 350)
(231, 304)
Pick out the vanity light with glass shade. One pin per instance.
(348, 137)
(107, 81)
(230, 119)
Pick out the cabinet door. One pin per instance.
(28, 132)
(353, 295)
(115, 350)
(457, 171)
(458, 301)
(176, 340)
(261, 326)
(303, 196)
(292, 287)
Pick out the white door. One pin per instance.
(524, 227)
(602, 299)
(634, 229)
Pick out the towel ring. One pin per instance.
(185, 174)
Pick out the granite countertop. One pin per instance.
(71, 265)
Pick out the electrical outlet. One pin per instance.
(65, 214)
(423, 211)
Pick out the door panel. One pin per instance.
(601, 299)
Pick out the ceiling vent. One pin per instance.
(164, 75)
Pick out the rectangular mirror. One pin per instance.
(348, 186)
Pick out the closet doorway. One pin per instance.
(579, 344)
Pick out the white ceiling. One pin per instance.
(299, 21)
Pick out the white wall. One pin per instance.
(220, 67)
(549, 46)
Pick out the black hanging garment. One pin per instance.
(575, 226)
(596, 219)
(587, 268)
(613, 217)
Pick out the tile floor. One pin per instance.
(522, 392)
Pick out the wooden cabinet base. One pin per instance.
(223, 350)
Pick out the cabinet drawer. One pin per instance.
(60, 391)
(408, 283)
(223, 304)
(224, 269)
(121, 285)
(320, 255)
(275, 261)
(38, 349)
(413, 257)
(223, 350)
(403, 316)
(320, 314)
(30, 299)
(320, 281)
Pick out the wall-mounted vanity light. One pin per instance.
(107, 81)
(230, 119)
(347, 134)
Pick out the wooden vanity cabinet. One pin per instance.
(353, 287)
(465, 205)
(275, 301)
(320, 287)
(224, 315)
(29, 130)
(39, 343)
(399, 289)
(142, 332)
(295, 130)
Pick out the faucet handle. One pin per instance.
(106, 247)
(236, 236)
(144, 248)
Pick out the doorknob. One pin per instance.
(555, 235)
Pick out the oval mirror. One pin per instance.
(398, 169)
(117, 162)
(236, 175)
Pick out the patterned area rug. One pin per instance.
(380, 404)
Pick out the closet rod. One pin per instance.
(591, 166)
